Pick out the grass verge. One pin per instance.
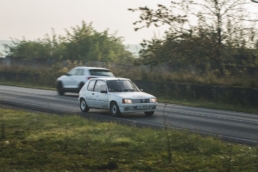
(32, 141)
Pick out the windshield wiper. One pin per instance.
(129, 90)
(117, 90)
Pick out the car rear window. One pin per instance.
(101, 72)
(91, 85)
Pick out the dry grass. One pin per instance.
(140, 73)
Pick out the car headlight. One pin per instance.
(127, 101)
(153, 100)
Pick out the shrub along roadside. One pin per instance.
(245, 98)
(164, 99)
(197, 91)
(233, 95)
(41, 73)
(230, 95)
(37, 141)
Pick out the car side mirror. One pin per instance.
(103, 91)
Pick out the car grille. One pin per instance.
(140, 100)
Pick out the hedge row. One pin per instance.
(231, 95)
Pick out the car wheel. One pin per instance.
(114, 109)
(83, 106)
(149, 113)
(60, 89)
(80, 87)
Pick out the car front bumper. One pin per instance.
(143, 107)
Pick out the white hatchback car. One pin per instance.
(119, 95)
(75, 79)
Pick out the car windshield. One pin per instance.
(101, 72)
(121, 86)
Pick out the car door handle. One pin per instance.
(92, 93)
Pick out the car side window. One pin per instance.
(81, 72)
(91, 85)
(73, 72)
(100, 86)
(78, 72)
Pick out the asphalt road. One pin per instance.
(232, 126)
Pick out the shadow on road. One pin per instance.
(106, 113)
(73, 95)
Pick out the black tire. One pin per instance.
(60, 89)
(80, 87)
(114, 109)
(83, 106)
(149, 113)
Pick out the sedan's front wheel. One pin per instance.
(83, 106)
(149, 113)
(114, 109)
(60, 88)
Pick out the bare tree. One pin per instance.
(221, 23)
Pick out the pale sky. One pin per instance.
(33, 19)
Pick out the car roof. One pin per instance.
(109, 78)
(86, 67)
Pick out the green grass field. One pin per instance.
(31, 141)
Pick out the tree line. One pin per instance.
(82, 42)
(209, 34)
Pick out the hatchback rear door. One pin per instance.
(89, 93)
